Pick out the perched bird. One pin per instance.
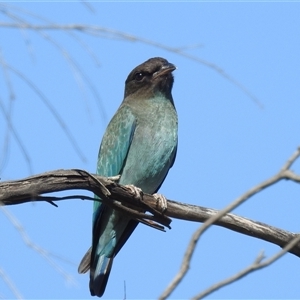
(140, 145)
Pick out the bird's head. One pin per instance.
(152, 77)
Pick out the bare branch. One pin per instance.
(7, 112)
(17, 137)
(88, 6)
(48, 104)
(284, 173)
(256, 265)
(77, 71)
(10, 284)
(291, 160)
(44, 253)
(115, 34)
(31, 189)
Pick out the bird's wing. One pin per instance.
(111, 159)
(110, 229)
(114, 148)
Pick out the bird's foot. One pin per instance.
(161, 203)
(137, 192)
(114, 178)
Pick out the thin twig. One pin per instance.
(8, 116)
(111, 33)
(44, 253)
(139, 216)
(16, 136)
(56, 115)
(258, 264)
(10, 284)
(291, 160)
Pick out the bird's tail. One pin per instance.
(99, 274)
(99, 271)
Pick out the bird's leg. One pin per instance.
(161, 203)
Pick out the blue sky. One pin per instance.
(227, 143)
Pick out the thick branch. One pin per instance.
(31, 189)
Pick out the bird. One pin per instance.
(139, 145)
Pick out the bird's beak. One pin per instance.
(165, 69)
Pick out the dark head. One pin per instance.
(151, 77)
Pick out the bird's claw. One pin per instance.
(137, 192)
(161, 202)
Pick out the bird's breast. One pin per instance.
(153, 146)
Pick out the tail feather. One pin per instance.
(99, 275)
(84, 265)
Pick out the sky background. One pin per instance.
(227, 142)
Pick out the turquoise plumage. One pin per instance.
(140, 144)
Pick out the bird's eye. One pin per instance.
(139, 76)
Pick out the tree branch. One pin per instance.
(284, 173)
(48, 256)
(100, 31)
(31, 189)
(258, 263)
(11, 285)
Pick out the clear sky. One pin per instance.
(227, 143)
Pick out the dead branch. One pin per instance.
(258, 264)
(11, 285)
(100, 31)
(32, 188)
(284, 173)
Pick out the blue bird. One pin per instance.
(140, 145)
